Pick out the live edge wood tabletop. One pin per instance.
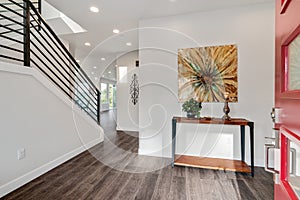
(215, 163)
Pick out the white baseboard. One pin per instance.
(22, 180)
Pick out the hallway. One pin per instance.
(114, 170)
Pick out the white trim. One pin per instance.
(18, 182)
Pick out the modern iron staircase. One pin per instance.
(25, 37)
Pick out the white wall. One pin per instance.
(127, 113)
(252, 29)
(38, 117)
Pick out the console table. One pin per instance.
(215, 163)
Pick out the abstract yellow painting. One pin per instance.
(208, 74)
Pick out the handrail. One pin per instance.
(43, 49)
(62, 45)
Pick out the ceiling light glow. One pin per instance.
(128, 44)
(103, 59)
(116, 31)
(94, 9)
(87, 44)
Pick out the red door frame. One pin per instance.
(286, 136)
(287, 21)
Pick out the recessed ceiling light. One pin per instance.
(94, 9)
(116, 65)
(95, 67)
(96, 78)
(102, 75)
(103, 59)
(128, 44)
(109, 72)
(78, 61)
(87, 44)
(93, 73)
(116, 31)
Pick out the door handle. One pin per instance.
(268, 147)
(275, 114)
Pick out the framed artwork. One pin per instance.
(208, 74)
(291, 65)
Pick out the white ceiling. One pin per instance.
(125, 15)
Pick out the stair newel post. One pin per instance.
(27, 33)
(98, 105)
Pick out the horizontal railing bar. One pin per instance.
(68, 58)
(41, 52)
(12, 20)
(73, 79)
(11, 30)
(45, 73)
(70, 82)
(61, 68)
(93, 109)
(7, 32)
(65, 85)
(12, 39)
(64, 60)
(88, 89)
(67, 93)
(10, 24)
(63, 82)
(5, 11)
(17, 4)
(11, 10)
(7, 3)
(14, 30)
(86, 107)
(10, 58)
(11, 48)
(94, 118)
(63, 46)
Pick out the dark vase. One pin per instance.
(190, 115)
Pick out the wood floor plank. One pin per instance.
(163, 185)
(178, 188)
(243, 190)
(193, 183)
(147, 187)
(227, 190)
(132, 187)
(113, 170)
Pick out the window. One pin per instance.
(104, 98)
(112, 96)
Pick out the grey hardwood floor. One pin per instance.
(114, 170)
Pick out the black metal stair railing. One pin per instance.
(26, 37)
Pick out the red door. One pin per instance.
(287, 96)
